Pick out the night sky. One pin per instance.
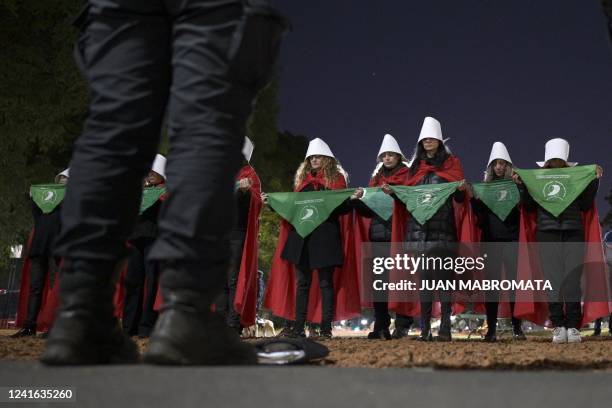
(520, 72)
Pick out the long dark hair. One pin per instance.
(420, 154)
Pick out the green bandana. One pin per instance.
(378, 201)
(500, 196)
(47, 196)
(555, 189)
(150, 195)
(307, 210)
(425, 200)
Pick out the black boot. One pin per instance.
(326, 331)
(402, 326)
(187, 332)
(383, 334)
(517, 330)
(425, 329)
(24, 332)
(491, 336)
(85, 330)
(444, 333)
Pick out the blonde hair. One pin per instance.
(330, 167)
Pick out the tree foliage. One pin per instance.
(42, 104)
(275, 159)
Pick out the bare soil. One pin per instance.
(534, 354)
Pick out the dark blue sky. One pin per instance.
(520, 72)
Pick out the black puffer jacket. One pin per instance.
(494, 229)
(440, 227)
(380, 230)
(571, 218)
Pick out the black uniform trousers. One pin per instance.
(199, 63)
(562, 257)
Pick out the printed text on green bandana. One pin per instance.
(306, 211)
(556, 189)
(500, 196)
(425, 200)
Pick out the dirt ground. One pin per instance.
(534, 354)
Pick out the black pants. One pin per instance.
(326, 284)
(39, 267)
(141, 282)
(198, 63)
(501, 257)
(225, 302)
(433, 249)
(562, 257)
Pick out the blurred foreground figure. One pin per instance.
(201, 63)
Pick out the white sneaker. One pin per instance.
(560, 335)
(573, 336)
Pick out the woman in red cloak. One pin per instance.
(327, 250)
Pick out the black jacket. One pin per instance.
(440, 227)
(146, 225)
(323, 247)
(571, 218)
(380, 230)
(243, 203)
(493, 228)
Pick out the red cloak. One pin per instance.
(281, 290)
(362, 235)
(532, 307)
(49, 295)
(245, 301)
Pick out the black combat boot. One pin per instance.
(187, 332)
(85, 330)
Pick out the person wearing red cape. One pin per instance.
(36, 292)
(565, 237)
(238, 302)
(327, 251)
(503, 252)
(141, 278)
(392, 169)
(433, 163)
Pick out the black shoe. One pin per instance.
(596, 333)
(192, 337)
(79, 339)
(517, 334)
(399, 333)
(426, 336)
(382, 334)
(25, 332)
(444, 337)
(290, 333)
(325, 335)
(490, 338)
